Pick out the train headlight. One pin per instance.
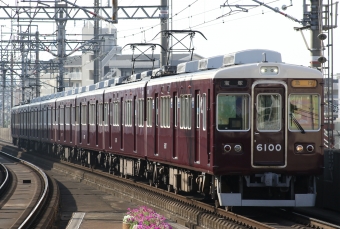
(269, 70)
(310, 148)
(237, 148)
(299, 148)
(227, 148)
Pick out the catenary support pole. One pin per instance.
(316, 29)
(164, 15)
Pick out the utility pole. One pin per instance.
(3, 90)
(96, 49)
(12, 85)
(37, 70)
(61, 22)
(164, 16)
(316, 29)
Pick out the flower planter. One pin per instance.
(126, 225)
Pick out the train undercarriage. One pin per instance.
(263, 189)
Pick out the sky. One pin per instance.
(227, 29)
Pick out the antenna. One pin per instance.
(264, 57)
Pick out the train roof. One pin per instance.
(228, 65)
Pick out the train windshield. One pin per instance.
(268, 109)
(304, 112)
(232, 112)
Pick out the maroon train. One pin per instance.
(242, 128)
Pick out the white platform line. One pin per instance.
(75, 221)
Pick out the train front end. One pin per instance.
(268, 141)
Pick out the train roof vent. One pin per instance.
(187, 67)
(146, 74)
(251, 56)
(109, 82)
(120, 80)
(91, 87)
(100, 85)
(75, 91)
(83, 89)
(157, 72)
(69, 92)
(169, 70)
(211, 63)
(135, 77)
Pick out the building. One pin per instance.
(79, 70)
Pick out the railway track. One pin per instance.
(29, 199)
(186, 210)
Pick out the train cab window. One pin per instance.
(268, 112)
(232, 112)
(304, 112)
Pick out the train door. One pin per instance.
(269, 130)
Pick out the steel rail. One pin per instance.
(4, 183)
(43, 196)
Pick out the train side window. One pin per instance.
(165, 111)
(100, 118)
(140, 112)
(67, 115)
(83, 114)
(128, 113)
(175, 110)
(157, 110)
(77, 112)
(149, 112)
(106, 114)
(92, 114)
(115, 113)
(185, 112)
(198, 104)
(304, 112)
(204, 111)
(233, 112)
(62, 117)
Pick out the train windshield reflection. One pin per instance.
(305, 109)
(268, 107)
(233, 112)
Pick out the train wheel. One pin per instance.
(169, 187)
(228, 208)
(217, 204)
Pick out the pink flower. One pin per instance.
(145, 218)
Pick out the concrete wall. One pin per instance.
(5, 134)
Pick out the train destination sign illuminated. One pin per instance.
(304, 83)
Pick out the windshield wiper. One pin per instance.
(296, 122)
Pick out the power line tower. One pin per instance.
(62, 11)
